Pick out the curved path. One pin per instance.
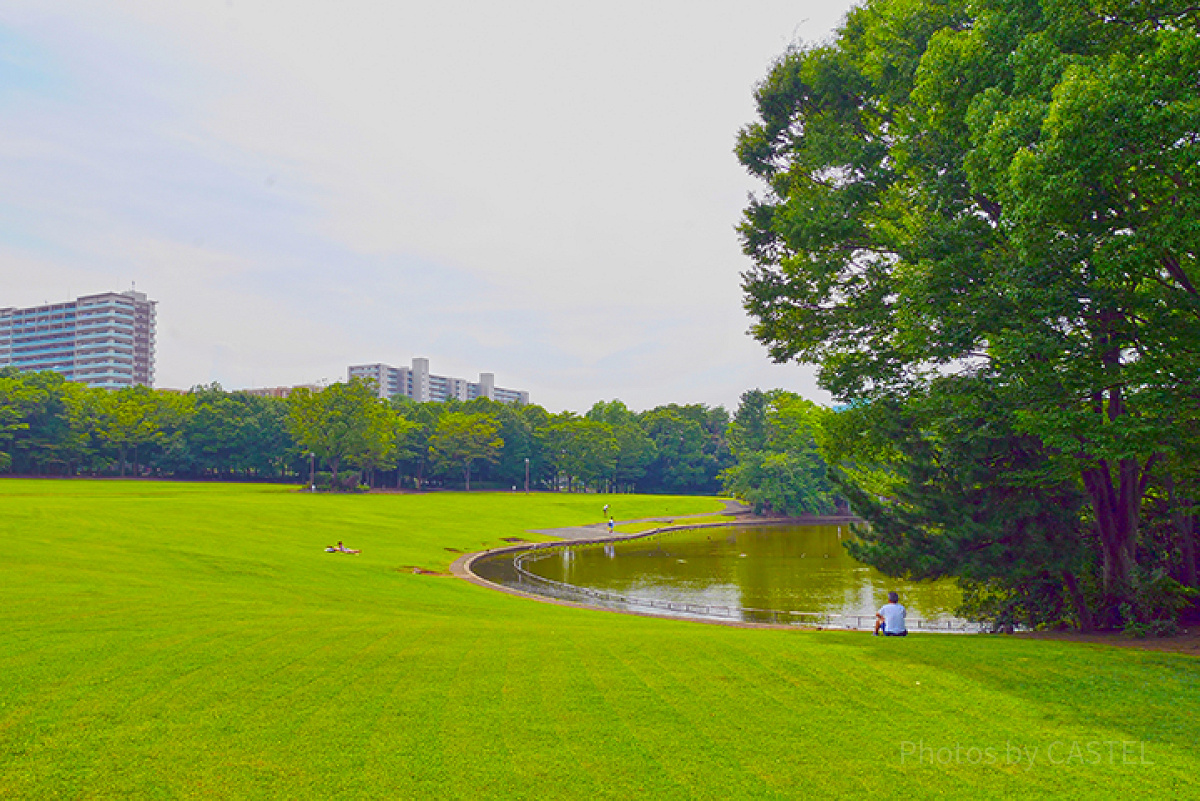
(736, 509)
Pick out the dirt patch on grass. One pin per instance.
(420, 571)
(1186, 643)
(514, 539)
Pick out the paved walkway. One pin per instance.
(735, 509)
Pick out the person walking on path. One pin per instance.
(890, 618)
(611, 523)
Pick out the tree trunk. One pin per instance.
(122, 452)
(467, 475)
(1116, 506)
(1086, 622)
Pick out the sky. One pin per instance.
(545, 191)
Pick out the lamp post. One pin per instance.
(526, 475)
(312, 472)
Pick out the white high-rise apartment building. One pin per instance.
(104, 340)
(418, 383)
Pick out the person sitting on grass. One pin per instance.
(890, 618)
(339, 548)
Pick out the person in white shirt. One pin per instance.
(890, 618)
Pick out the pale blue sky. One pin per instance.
(542, 190)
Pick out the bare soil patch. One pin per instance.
(420, 571)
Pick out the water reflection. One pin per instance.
(785, 568)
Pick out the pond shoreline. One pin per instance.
(461, 567)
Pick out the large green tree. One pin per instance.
(463, 438)
(130, 418)
(585, 450)
(387, 439)
(635, 449)
(1007, 190)
(342, 424)
(412, 455)
(778, 464)
(690, 448)
(16, 396)
(958, 503)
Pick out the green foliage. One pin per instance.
(344, 423)
(748, 429)
(49, 425)
(27, 404)
(461, 438)
(1157, 605)
(132, 417)
(230, 433)
(636, 451)
(1000, 189)
(779, 468)
(690, 448)
(412, 452)
(583, 449)
(970, 501)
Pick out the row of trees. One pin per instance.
(981, 219)
(344, 435)
(674, 448)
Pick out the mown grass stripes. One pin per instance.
(177, 641)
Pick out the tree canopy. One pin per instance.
(779, 467)
(343, 423)
(461, 438)
(1006, 192)
(52, 427)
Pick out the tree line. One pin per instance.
(344, 436)
(980, 220)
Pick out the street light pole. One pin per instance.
(526, 475)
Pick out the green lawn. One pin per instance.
(641, 526)
(180, 640)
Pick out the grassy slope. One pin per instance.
(169, 640)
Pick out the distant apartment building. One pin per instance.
(418, 383)
(104, 340)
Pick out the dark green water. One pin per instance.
(785, 568)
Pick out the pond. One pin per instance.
(766, 573)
